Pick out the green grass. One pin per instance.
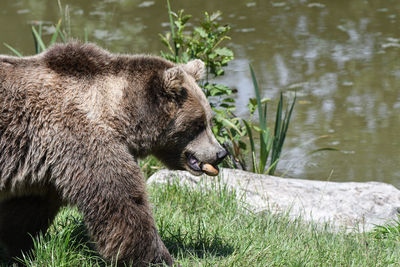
(210, 228)
(150, 165)
(65, 244)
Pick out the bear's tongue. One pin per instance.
(207, 168)
(194, 163)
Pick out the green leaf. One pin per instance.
(242, 145)
(223, 51)
(265, 100)
(220, 72)
(257, 129)
(230, 124)
(253, 101)
(201, 32)
(185, 18)
(228, 100)
(164, 40)
(215, 15)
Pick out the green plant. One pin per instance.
(61, 33)
(149, 166)
(387, 231)
(208, 226)
(38, 38)
(270, 144)
(204, 42)
(66, 243)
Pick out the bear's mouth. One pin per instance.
(197, 167)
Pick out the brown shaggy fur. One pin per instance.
(73, 120)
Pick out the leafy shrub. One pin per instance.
(204, 42)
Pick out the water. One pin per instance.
(342, 58)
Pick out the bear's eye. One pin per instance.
(198, 127)
(183, 92)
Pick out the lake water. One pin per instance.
(342, 57)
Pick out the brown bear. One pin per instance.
(73, 122)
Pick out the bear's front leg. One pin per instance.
(111, 195)
(123, 229)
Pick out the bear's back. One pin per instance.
(77, 59)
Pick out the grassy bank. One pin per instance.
(209, 228)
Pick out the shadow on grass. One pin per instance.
(200, 248)
(64, 241)
(70, 236)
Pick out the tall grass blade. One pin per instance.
(40, 29)
(286, 123)
(277, 130)
(40, 46)
(252, 147)
(171, 24)
(267, 135)
(67, 23)
(254, 160)
(171, 20)
(37, 48)
(55, 34)
(13, 50)
(263, 151)
(258, 98)
(265, 110)
(278, 120)
(62, 36)
(282, 136)
(60, 8)
(262, 118)
(271, 167)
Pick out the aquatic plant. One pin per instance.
(271, 144)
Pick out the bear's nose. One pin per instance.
(221, 155)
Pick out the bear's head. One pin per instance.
(189, 142)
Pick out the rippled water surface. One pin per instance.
(342, 58)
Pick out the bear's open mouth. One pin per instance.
(194, 163)
(201, 167)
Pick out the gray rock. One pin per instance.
(351, 205)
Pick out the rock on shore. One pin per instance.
(351, 205)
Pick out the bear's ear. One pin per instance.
(195, 68)
(174, 77)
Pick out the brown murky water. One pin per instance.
(342, 57)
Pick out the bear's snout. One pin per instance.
(221, 155)
(204, 154)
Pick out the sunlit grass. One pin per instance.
(210, 228)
